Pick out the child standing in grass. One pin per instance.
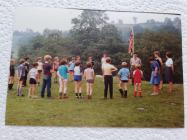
(71, 68)
(107, 70)
(39, 68)
(63, 79)
(169, 70)
(11, 74)
(155, 76)
(33, 75)
(159, 60)
(123, 75)
(47, 73)
(21, 77)
(89, 76)
(137, 76)
(78, 79)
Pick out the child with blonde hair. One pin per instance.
(89, 76)
(47, 73)
(33, 75)
(137, 76)
(63, 79)
(78, 79)
(124, 75)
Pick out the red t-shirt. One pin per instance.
(137, 74)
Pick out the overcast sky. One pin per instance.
(38, 19)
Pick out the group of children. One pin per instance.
(62, 68)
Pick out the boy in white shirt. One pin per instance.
(107, 70)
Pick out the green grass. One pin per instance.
(165, 110)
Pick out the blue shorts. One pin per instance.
(77, 77)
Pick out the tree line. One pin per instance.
(92, 34)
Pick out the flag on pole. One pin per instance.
(131, 42)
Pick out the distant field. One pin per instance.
(165, 110)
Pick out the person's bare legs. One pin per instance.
(135, 90)
(87, 89)
(76, 89)
(79, 89)
(34, 90)
(121, 88)
(140, 90)
(161, 84)
(91, 89)
(29, 91)
(65, 88)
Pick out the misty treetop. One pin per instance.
(92, 34)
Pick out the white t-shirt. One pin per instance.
(33, 73)
(89, 73)
(107, 69)
(77, 70)
(40, 66)
(169, 62)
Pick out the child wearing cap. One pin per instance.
(137, 75)
(123, 75)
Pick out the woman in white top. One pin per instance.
(169, 70)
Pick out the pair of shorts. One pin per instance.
(90, 81)
(39, 71)
(124, 81)
(22, 78)
(32, 81)
(77, 78)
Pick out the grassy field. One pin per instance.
(164, 110)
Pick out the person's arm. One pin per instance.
(142, 74)
(156, 71)
(94, 75)
(58, 74)
(114, 69)
(119, 75)
(51, 69)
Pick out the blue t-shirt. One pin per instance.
(71, 65)
(63, 71)
(124, 73)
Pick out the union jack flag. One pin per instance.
(131, 42)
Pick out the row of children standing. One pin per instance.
(75, 70)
